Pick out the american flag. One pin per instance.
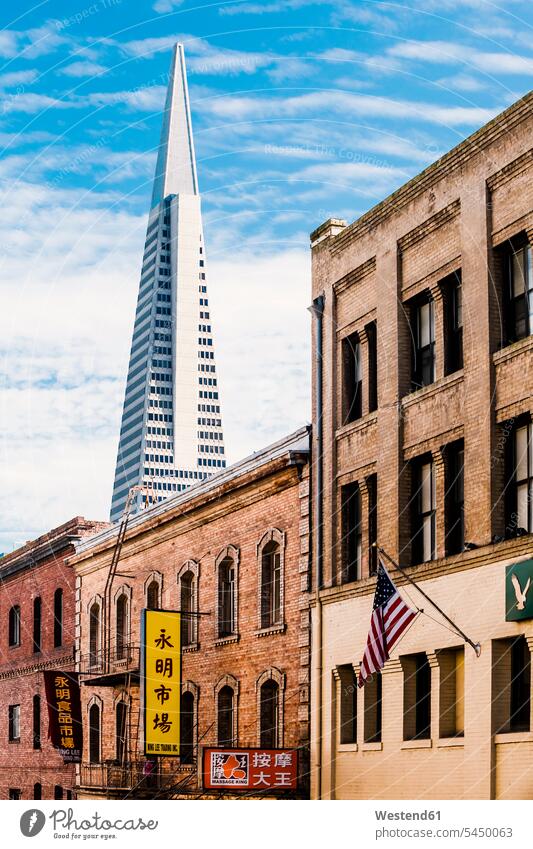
(390, 617)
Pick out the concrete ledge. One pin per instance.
(417, 744)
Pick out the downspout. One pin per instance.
(317, 309)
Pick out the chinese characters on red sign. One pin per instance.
(64, 714)
(250, 769)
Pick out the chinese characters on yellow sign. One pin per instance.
(162, 682)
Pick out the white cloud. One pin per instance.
(147, 99)
(17, 78)
(445, 52)
(32, 103)
(346, 103)
(163, 6)
(83, 69)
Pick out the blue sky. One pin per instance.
(302, 110)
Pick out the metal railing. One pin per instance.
(122, 658)
(138, 775)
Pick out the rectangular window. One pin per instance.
(372, 336)
(511, 685)
(416, 697)
(519, 293)
(372, 486)
(347, 704)
(351, 533)
(352, 382)
(14, 625)
(519, 478)
(454, 508)
(15, 793)
(423, 503)
(14, 723)
(453, 306)
(372, 697)
(451, 692)
(423, 334)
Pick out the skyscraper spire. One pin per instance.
(171, 433)
(175, 172)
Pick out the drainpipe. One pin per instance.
(317, 309)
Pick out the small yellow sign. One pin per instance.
(162, 682)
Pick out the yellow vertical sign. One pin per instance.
(162, 682)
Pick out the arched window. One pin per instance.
(37, 791)
(121, 729)
(152, 596)
(226, 598)
(58, 618)
(94, 634)
(225, 716)
(187, 728)
(187, 607)
(122, 626)
(271, 585)
(94, 734)
(37, 607)
(270, 689)
(36, 722)
(14, 626)
(269, 714)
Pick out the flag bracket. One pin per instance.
(459, 631)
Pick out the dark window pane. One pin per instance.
(225, 717)
(269, 718)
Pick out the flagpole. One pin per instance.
(475, 646)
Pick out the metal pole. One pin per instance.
(475, 646)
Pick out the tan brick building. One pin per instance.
(37, 633)
(422, 409)
(233, 549)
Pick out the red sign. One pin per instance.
(250, 769)
(64, 714)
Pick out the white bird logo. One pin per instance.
(520, 595)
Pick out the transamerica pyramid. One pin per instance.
(171, 433)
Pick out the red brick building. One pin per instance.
(235, 550)
(37, 614)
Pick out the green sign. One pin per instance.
(519, 591)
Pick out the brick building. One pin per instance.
(422, 416)
(37, 615)
(235, 550)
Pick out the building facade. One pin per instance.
(171, 431)
(37, 614)
(423, 443)
(232, 555)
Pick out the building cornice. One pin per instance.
(451, 162)
(212, 507)
(487, 555)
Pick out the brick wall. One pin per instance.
(38, 569)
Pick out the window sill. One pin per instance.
(372, 747)
(272, 629)
(14, 742)
(347, 747)
(224, 641)
(512, 349)
(450, 742)
(190, 647)
(358, 424)
(416, 395)
(513, 737)
(416, 744)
